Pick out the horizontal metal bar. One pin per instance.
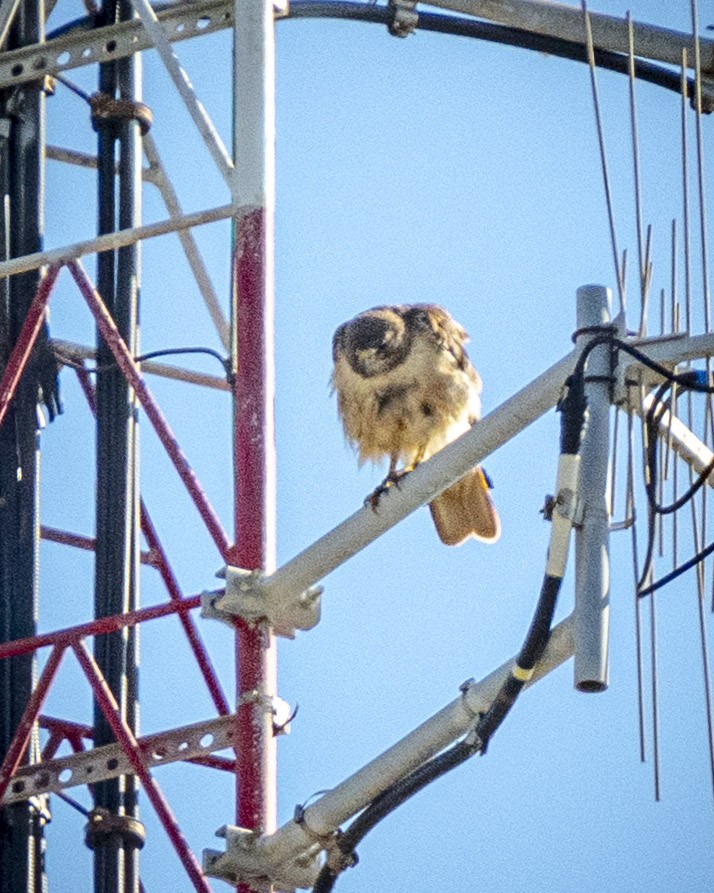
(322, 818)
(668, 350)
(103, 625)
(89, 162)
(79, 541)
(79, 352)
(181, 744)
(284, 596)
(566, 22)
(85, 46)
(110, 241)
(419, 486)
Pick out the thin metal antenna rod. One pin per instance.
(636, 169)
(635, 563)
(700, 163)
(654, 691)
(603, 155)
(706, 671)
(688, 322)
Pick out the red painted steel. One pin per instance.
(80, 541)
(161, 563)
(158, 559)
(71, 634)
(26, 339)
(63, 730)
(254, 521)
(131, 372)
(129, 745)
(18, 745)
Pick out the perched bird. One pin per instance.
(405, 388)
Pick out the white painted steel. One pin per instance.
(183, 85)
(592, 535)
(325, 816)
(108, 242)
(566, 22)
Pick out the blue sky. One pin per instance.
(428, 169)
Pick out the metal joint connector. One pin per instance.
(566, 505)
(405, 18)
(243, 862)
(248, 596)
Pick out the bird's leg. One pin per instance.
(418, 456)
(394, 477)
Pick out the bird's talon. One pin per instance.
(373, 499)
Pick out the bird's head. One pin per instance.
(374, 342)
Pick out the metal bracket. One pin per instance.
(631, 372)
(566, 504)
(405, 18)
(242, 862)
(248, 596)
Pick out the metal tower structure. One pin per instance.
(99, 651)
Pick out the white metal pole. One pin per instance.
(592, 560)
(268, 855)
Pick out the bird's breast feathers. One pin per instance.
(417, 407)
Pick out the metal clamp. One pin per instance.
(243, 862)
(248, 596)
(404, 19)
(104, 824)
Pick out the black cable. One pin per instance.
(572, 408)
(383, 805)
(176, 351)
(694, 380)
(658, 75)
(173, 351)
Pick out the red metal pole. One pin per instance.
(254, 463)
(131, 372)
(26, 339)
(253, 392)
(22, 733)
(130, 746)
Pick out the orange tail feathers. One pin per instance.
(466, 510)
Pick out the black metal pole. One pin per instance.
(113, 834)
(21, 160)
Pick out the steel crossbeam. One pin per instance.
(181, 21)
(110, 761)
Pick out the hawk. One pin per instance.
(405, 388)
